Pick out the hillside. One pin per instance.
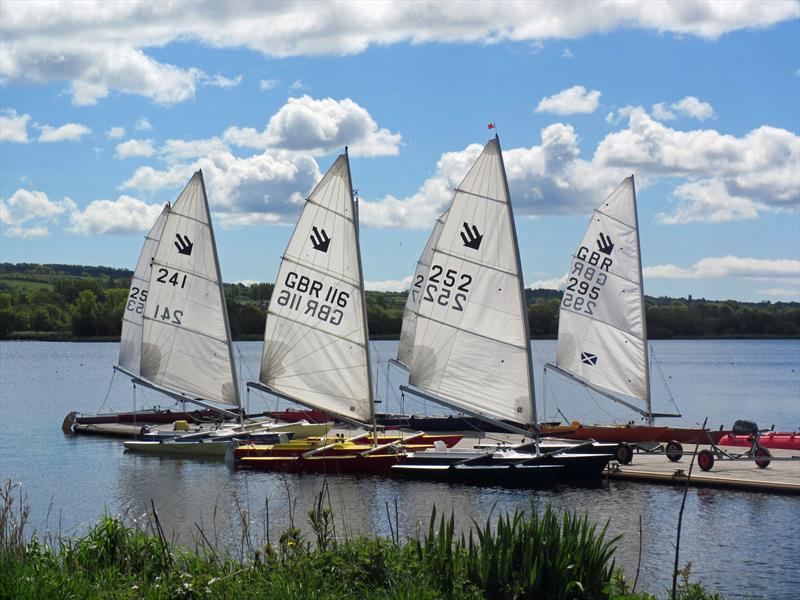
(74, 301)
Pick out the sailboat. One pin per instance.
(602, 334)
(316, 340)
(175, 334)
(466, 340)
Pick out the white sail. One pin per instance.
(315, 340)
(186, 342)
(405, 346)
(601, 329)
(470, 346)
(130, 343)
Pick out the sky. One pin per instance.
(106, 109)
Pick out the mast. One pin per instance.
(221, 292)
(523, 303)
(357, 227)
(648, 399)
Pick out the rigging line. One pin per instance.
(108, 391)
(663, 378)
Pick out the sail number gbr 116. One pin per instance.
(445, 288)
(313, 298)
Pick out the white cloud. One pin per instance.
(728, 266)
(133, 148)
(320, 126)
(98, 47)
(570, 101)
(567, 53)
(267, 84)
(730, 177)
(143, 125)
(556, 283)
(27, 233)
(297, 85)
(264, 188)
(114, 133)
(662, 113)
(390, 285)
(13, 127)
(65, 133)
(25, 206)
(121, 216)
(794, 293)
(692, 107)
(220, 81)
(177, 150)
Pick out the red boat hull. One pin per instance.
(779, 440)
(632, 434)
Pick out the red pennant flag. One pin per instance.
(491, 125)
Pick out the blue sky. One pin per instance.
(107, 109)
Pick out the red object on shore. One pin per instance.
(291, 416)
(779, 440)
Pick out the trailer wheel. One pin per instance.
(624, 454)
(674, 451)
(764, 454)
(706, 460)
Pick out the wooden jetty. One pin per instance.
(780, 476)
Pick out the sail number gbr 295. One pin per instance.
(445, 288)
(584, 284)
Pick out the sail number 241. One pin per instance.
(445, 288)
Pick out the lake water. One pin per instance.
(739, 543)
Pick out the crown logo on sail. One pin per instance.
(320, 240)
(471, 237)
(604, 244)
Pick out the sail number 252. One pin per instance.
(445, 288)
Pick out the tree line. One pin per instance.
(86, 302)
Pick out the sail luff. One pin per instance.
(648, 398)
(221, 288)
(357, 229)
(520, 279)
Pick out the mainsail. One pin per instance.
(186, 342)
(602, 339)
(130, 344)
(316, 339)
(469, 345)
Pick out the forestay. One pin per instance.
(601, 330)
(186, 343)
(130, 343)
(315, 341)
(470, 346)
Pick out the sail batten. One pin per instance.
(463, 336)
(315, 338)
(602, 337)
(186, 342)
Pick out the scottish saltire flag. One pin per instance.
(588, 359)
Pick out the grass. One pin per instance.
(524, 555)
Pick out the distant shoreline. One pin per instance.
(56, 336)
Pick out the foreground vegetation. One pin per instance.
(67, 302)
(524, 555)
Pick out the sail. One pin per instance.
(186, 342)
(601, 329)
(315, 340)
(470, 346)
(130, 343)
(405, 346)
